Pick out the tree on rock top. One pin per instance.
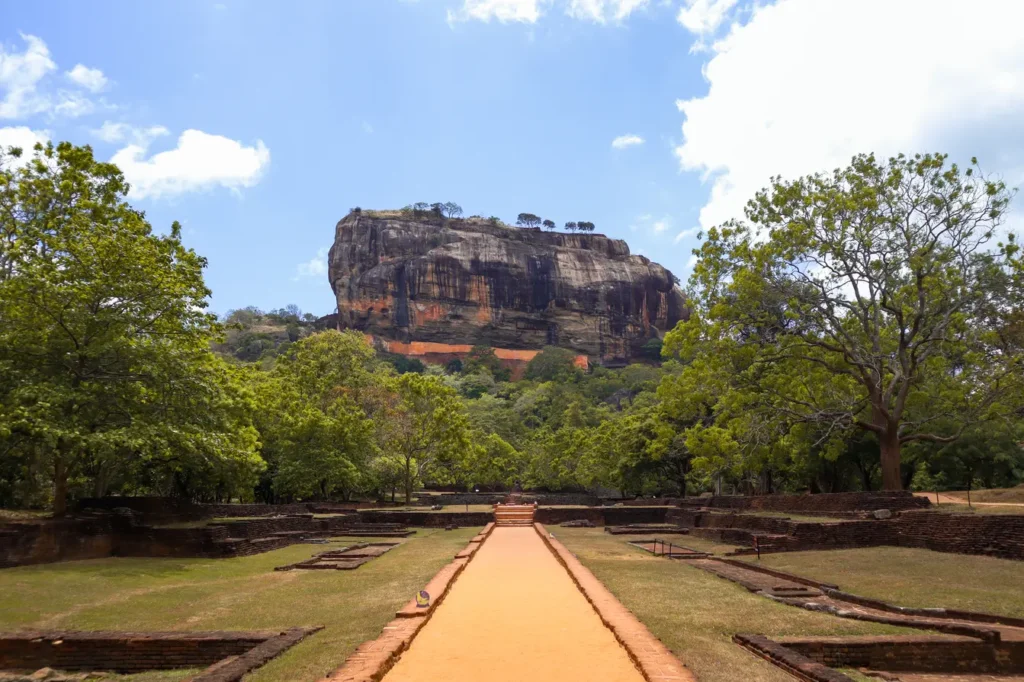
(872, 298)
(528, 220)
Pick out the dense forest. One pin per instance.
(859, 330)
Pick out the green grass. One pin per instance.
(914, 577)
(22, 514)
(695, 613)
(232, 594)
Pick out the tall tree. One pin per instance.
(422, 421)
(571, 226)
(868, 299)
(104, 335)
(316, 435)
(549, 224)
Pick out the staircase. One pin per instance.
(513, 514)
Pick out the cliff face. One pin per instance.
(431, 284)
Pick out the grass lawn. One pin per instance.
(232, 594)
(914, 577)
(695, 613)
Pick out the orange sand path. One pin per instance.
(514, 614)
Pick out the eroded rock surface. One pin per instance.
(425, 284)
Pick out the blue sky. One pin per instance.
(298, 111)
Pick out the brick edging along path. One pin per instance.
(652, 658)
(371, 660)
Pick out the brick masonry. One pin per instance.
(990, 535)
(818, 503)
(654, 660)
(117, 534)
(230, 655)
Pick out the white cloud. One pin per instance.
(686, 233)
(623, 141)
(794, 91)
(23, 137)
(20, 73)
(92, 80)
(690, 263)
(601, 11)
(314, 267)
(704, 16)
(200, 161)
(657, 226)
(367, 128)
(73, 104)
(526, 11)
(123, 132)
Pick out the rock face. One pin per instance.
(431, 286)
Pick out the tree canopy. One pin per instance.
(873, 298)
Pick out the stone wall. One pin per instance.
(925, 654)
(426, 519)
(120, 535)
(122, 652)
(603, 516)
(996, 535)
(819, 503)
(990, 535)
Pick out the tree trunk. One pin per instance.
(60, 487)
(408, 481)
(890, 444)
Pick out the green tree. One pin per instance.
(495, 464)
(553, 364)
(424, 422)
(316, 434)
(104, 337)
(483, 357)
(872, 302)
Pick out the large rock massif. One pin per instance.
(435, 288)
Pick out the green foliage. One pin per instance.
(553, 364)
(105, 343)
(869, 299)
(317, 438)
(483, 358)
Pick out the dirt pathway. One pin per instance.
(514, 614)
(952, 499)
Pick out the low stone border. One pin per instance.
(234, 669)
(371, 661)
(795, 664)
(778, 574)
(953, 614)
(229, 655)
(652, 658)
(344, 559)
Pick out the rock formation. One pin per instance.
(431, 287)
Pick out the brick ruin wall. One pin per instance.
(925, 654)
(113, 535)
(122, 652)
(990, 535)
(808, 504)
